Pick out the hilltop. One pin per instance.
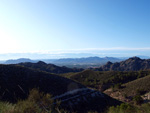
(102, 80)
(127, 91)
(51, 68)
(16, 81)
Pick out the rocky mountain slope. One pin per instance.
(131, 64)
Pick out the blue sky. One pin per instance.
(105, 27)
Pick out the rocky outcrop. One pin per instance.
(85, 99)
(131, 64)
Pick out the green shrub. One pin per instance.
(145, 108)
(37, 102)
(138, 99)
(123, 108)
(140, 91)
(6, 107)
(27, 107)
(126, 108)
(117, 86)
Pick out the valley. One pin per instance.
(74, 87)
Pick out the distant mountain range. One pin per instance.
(131, 64)
(88, 60)
(106, 63)
(16, 61)
(70, 62)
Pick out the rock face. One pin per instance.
(131, 64)
(84, 99)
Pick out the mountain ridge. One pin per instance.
(51, 68)
(85, 62)
(16, 61)
(131, 64)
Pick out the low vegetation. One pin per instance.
(35, 103)
(137, 87)
(127, 108)
(132, 91)
(102, 80)
(38, 102)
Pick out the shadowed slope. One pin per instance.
(16, 81)
(49, 67)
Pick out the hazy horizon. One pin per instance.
(39, 56)
(73, 28)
